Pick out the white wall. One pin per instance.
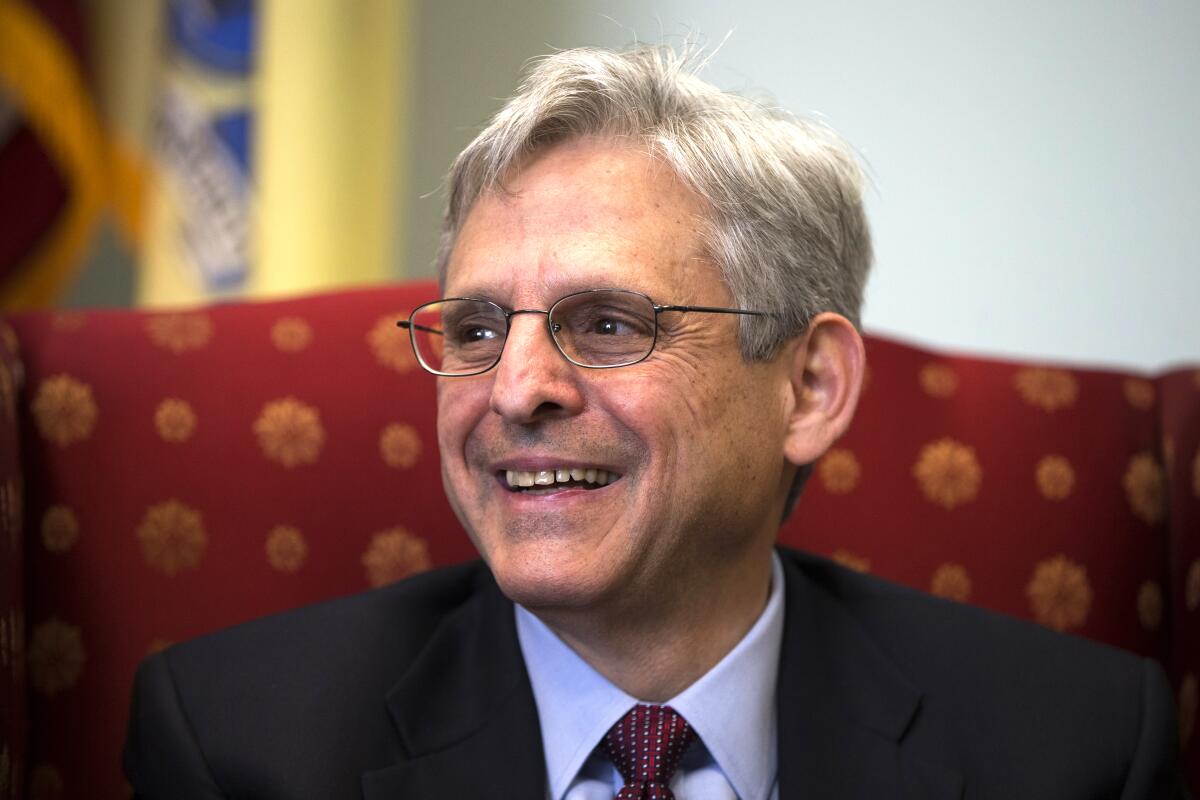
(1036, 169)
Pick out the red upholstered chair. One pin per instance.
(176, 473)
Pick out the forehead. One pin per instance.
(585, 213)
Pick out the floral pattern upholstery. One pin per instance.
(181, 472)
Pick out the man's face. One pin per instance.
(691, 437)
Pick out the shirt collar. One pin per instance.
(731, 707)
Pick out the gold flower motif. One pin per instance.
(56, 656)
(1150, 605)
(390, 345)
(1055, 477)
(1145, 488)
(180, 333)
(8, 393)
(172, 537)
(395, 554)
(175, 420)
(9, 337)
(10, 510)
(1191, 590)
(851, 561)
(938, 380)
(64, 410)
(60, 529)
(952, 582)
(290, 432)
(399, 445)
(948, 473)
(45, 783)
(839, 471)
(1139, 393)
(1187, 708)
(1047, 388)
(291, 334)
(286, 548)
(157, 645)
(68, 321)
(1059, 593)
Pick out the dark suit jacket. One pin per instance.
(418, 690)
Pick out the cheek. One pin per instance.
(459, 410)
(679, 389)
(674, 413)
(730, 425)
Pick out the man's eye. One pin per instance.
(610, 323)
(610, 327)
(477, 334)
(467, 333)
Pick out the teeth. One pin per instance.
(548, 477)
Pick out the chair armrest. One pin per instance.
(14, 719)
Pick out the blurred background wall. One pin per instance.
(1035, 184)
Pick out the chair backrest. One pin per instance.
(186, 471)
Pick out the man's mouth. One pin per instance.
(552, 480)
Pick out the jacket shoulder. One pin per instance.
(922, 630)
(1004, 699)
(243, 705)
(391, 624)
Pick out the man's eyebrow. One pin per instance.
(477, 292)
(557, 288)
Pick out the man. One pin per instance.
(650, 328)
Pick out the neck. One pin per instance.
(654, 650)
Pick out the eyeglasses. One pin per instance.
(597, 329)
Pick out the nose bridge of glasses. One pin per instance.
(516, 312)
(519, 311)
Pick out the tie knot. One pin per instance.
(646, 746)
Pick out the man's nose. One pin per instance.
(533, 380)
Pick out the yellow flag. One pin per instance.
(332, 90)
(276, 148)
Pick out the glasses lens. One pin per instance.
(457, 337)
(607, 328)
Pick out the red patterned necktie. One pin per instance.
(646, 746)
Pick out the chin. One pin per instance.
(541, 580)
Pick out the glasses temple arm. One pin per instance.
(412, 326)
(712, 310)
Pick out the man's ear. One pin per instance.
(826, 379)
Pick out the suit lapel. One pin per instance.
(467, 721)
(843, 707)
(465, 712)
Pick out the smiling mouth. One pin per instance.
(555, 480)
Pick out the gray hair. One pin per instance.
(787, 226)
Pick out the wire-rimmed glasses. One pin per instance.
(596, 328)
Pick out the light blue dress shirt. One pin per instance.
(731, 708)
